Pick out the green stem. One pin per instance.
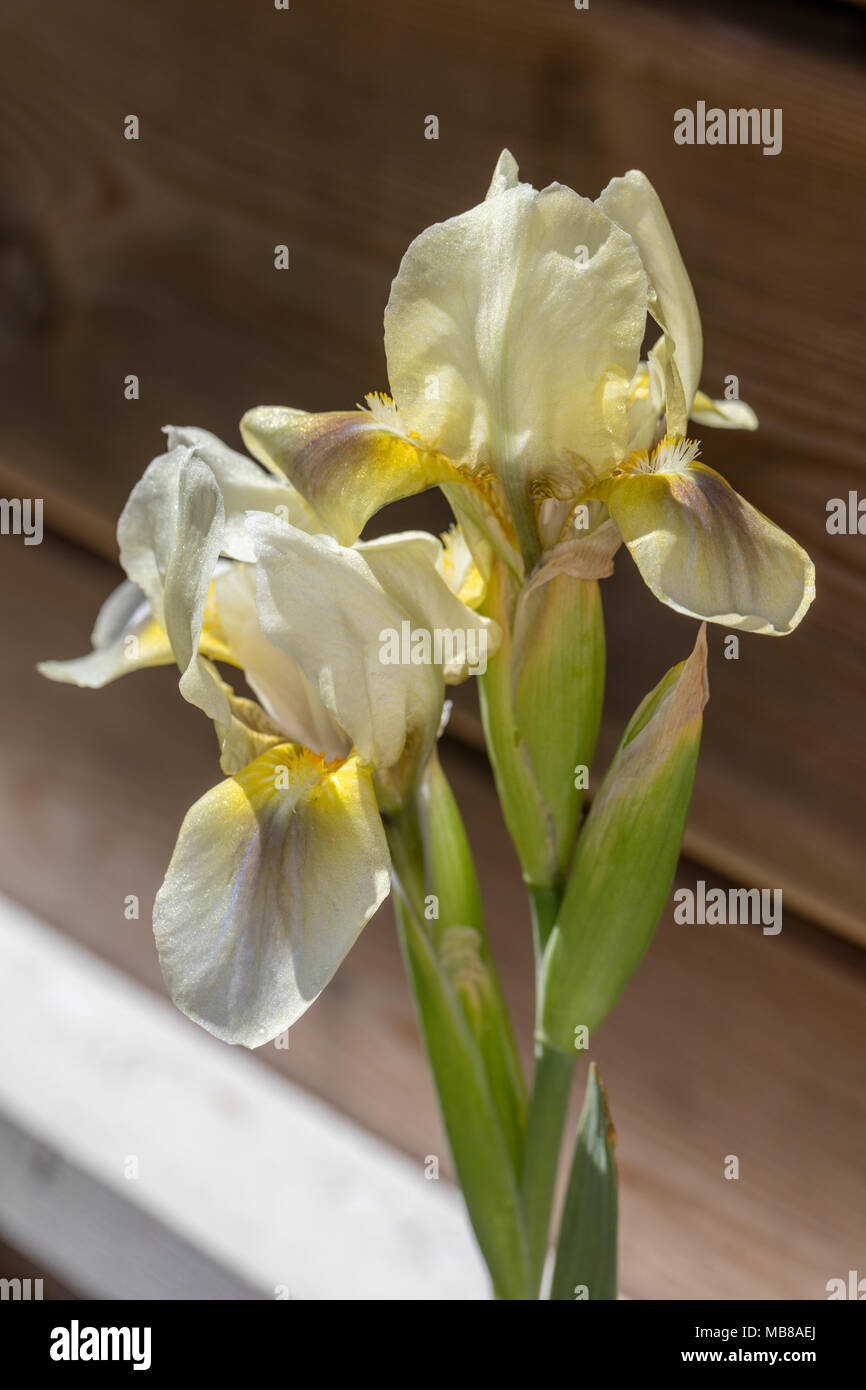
(545, 905)
(547, 1110)
(406, 844)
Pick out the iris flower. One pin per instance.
(513, 336)
(278, 868)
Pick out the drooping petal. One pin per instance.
(633, 204)
(244, 487)
(126, 637)
(322, 604)
(289, 698)
(512, 334)
(722, 415)
(275, 872)
(346, 463)
(704, 550)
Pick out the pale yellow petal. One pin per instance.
(705, 551)
(407, 566)
(275, 873)
(512, 334)
(347, 464)
(722, 415)
(288, 697)
(634, 205)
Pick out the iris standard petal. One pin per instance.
(512, 334)
(633, 204)
(409, 568)
(170, 535)
(275, 872)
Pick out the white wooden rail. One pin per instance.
(140, 1158)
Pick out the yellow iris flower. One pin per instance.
(513, 336)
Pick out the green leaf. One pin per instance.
(625, 859)
(586, 1251)
(481, 1156)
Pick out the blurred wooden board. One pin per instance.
(726, 1042)
(243, 1185)
(306, 127)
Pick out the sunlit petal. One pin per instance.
(723, 415)
(408, 567)
(289, 698)
(275, 872)
(633, 204)
(244, 487)
(346, 463)
(322, 604)
(704, 550)
(512, 334)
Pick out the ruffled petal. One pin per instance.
(512, 334)
(275, 873)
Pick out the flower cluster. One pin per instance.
(513, 335)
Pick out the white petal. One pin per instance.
(506, 348)
(634, 205)
(322, 604)
(244, 487)
(506, 175)
(170, 535)
(408, 568)
(267, 890)
(277, 680)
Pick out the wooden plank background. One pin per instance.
(155, 257)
